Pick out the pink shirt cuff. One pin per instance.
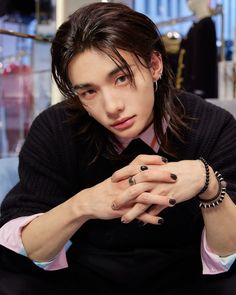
(10, 237)
(211, 262)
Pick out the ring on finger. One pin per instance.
(131, 180)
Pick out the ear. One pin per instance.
(156, 66)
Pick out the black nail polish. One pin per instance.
(165, 160)
(173, 176)
(143, 167)
(172, 202)
(160, 221)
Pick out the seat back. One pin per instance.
(8, 175)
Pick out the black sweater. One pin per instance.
(53, 167)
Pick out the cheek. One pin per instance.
(97, 113)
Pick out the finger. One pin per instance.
(136, 166)
(155, 175)
(127, 171)
(134, 212)
(143, 173)
(130, 194)
(156, 209)
(151, 199)
(143, 182)
(146, 218)
(149, 160)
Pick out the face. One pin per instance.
(107, 94)
(191, 4)
(195, 5)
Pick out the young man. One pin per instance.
(94, 171)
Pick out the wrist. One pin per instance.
(212, 188)
(79, 206)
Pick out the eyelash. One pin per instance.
(87, 92)
(121, 77)
(91, 91)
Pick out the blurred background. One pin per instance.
(27, 27)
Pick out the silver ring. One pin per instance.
(131, 180)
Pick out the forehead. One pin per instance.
(94, 63)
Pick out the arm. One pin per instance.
(220, 222)
(66, 218)
(211, 262)
(10, 237)
(49, 184)
(218, 146)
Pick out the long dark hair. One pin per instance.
(108, 27)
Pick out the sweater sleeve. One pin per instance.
(10, 237)
(213, 137)
(43, 172)
(222, 157)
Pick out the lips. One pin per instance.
(123, 123)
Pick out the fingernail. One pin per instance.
(165, 160)
(160, 221)
(172, 202)
(173, 176)
(143, 167)
(123, 220)
(114, 206)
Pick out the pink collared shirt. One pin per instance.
(10, 233)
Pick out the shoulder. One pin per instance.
(53, 114)
(205, 22)
(199, 108)
(208, 125)
(48, 131)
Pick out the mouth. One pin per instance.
(123, 123)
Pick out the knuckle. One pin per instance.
(140, 158)
(132, 191)
(144, 197)
(163, 192)
(115, 175)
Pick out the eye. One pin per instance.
(87, 94)
(122, 80)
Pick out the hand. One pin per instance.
(191, 177)
(96, 202)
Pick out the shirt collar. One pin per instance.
(147, 136)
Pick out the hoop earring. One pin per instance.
(155, 86)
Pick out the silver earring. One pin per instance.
(160, 76)
(155, 86)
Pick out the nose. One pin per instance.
(113, 102)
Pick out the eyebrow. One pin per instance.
(111, 74)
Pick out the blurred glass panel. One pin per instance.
(25, 76)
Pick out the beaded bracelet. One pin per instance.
(218, 198)
(207, 176)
